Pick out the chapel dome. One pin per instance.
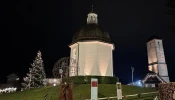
(91, 31)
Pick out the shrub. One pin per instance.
(166, 90)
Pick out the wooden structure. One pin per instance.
(66, 92)
(62, 71)
(152, 80)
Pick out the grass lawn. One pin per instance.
(79, 91)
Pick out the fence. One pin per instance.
(126, 96)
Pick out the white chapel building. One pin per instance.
(93, 50)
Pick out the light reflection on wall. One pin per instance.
(150, 68)
(103, 65)
(88, 65)
(155, 68)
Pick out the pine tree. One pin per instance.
(36, 76)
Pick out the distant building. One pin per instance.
(12, 79)
(156, 58)
(12, 84)
(158, 71)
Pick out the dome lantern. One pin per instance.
(92, 17)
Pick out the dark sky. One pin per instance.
(49, 25)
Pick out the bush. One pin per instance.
(87, 79)
(166, 90)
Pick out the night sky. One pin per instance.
(49, 25)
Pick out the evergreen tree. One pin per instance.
(36, 76)
(28, 80)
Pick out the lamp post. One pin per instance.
(132, 69)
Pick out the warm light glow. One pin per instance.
(155, 68)
(88, 65)
(103, 63)
(150, 68)
(54, 84)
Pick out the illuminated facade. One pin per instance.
(92, 49)
(156, 58)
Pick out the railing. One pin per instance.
(48, 97)
(125, 96)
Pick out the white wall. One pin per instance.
(94, 58)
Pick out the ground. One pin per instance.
(79, 91)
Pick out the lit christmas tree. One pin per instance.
(36, 76)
